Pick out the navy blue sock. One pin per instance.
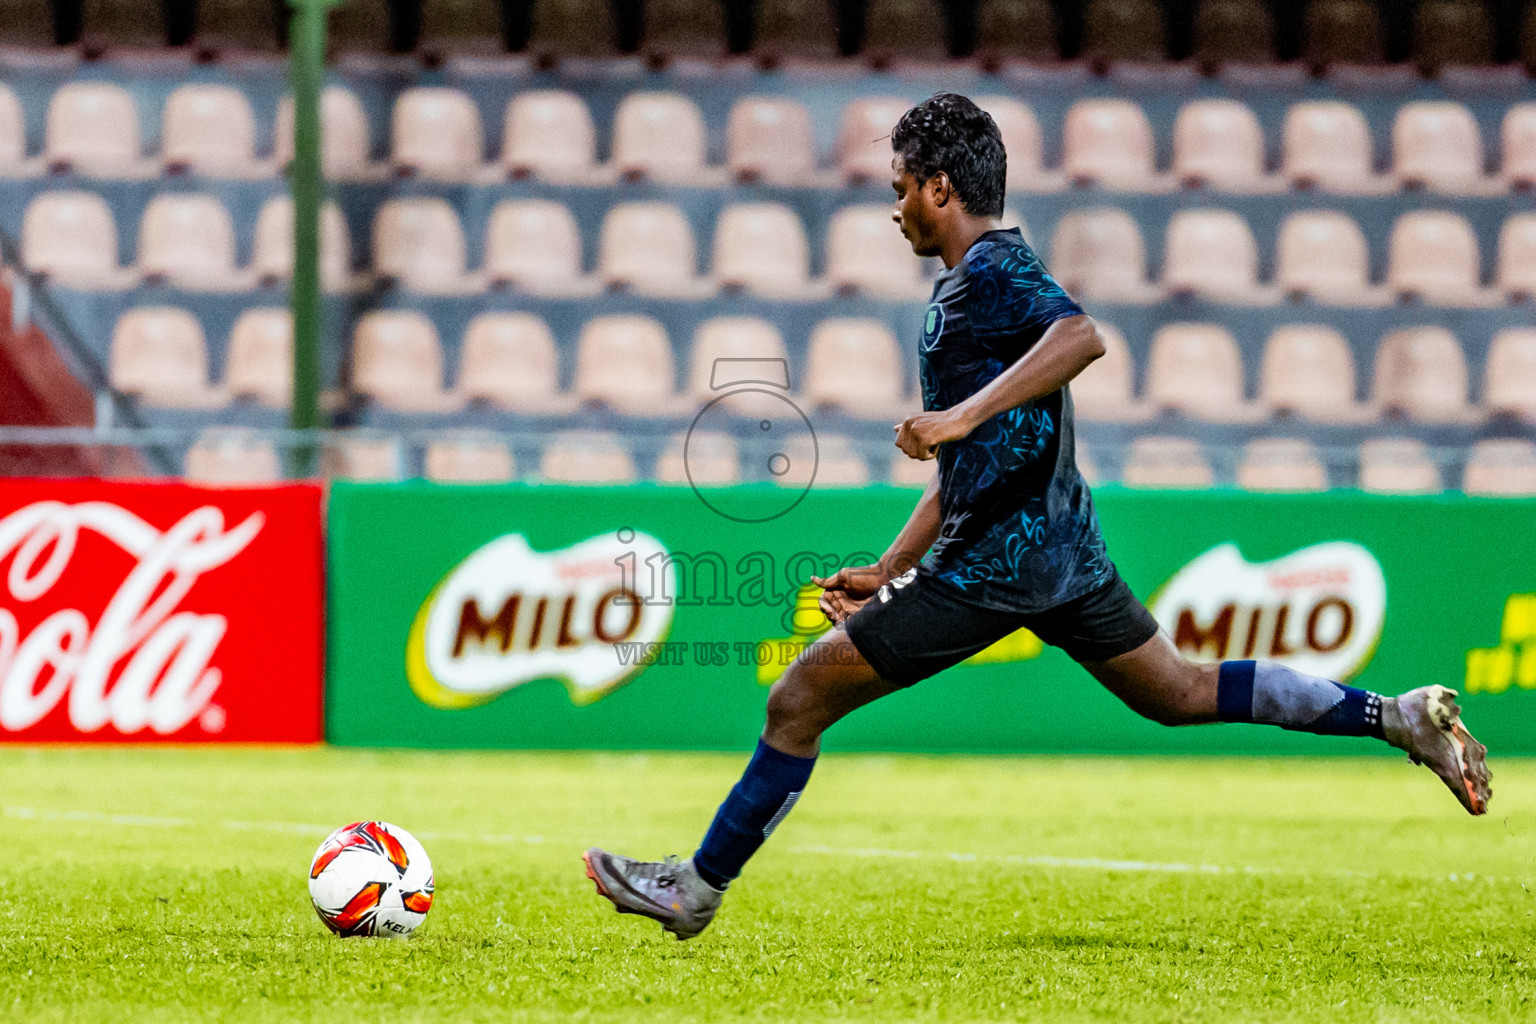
(768, 788)
(1263, 691)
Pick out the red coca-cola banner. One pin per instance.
(145, 612)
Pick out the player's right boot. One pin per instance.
(669, 891)
(1427, 724)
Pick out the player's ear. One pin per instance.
(943, 189)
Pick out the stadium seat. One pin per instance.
(1517, 257)
(1308, 371)
(587, 457)
(1098, 252)
(71, 237)
(360, 26)
(1240, 31)
(1342, 32)
(1509, 374)
(397, 360)
(1519, 145)
(648, 248)
(1432, 256)
(465, 28)
(93, 128)
(1323, 255)
(1167, 463)
(625, 362)
(120, 24)
(1218, 143)
(1421, 374)
(867, 254)
(362, 455)
(509, 361)
(1451, 33)
(730, 349)
(345, 143)
(549, 134)
(1124, 30)
(683, 28)
(864, 138)
(210, 130)
(27, 23)
(437, 134)
(572, 28)
(1435, 144)
(1327, 145)
(189, 241)
(660, 136)
(420, 244)
(761, 247)
(1527, 41)
(238, 26)
(854, 365)
(1022, 141)
(1105, 391)
(1397, 465)
(160, 356)
(1281, 464)
(272, 248)
(794, 30)
(700, 458)
(260, 365)
(468, 458)
(910, 472)
(13, 131)
(768, 139)
(832, 458)
(1211, 252)
(1501, 468)
(536, 245)
(1014, 30)
(1108, 142)
(904, 30)
(225, 456)
(1196, 370)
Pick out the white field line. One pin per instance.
(857, 853)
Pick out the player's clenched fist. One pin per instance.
(920, 435)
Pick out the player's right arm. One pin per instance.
(846, 591)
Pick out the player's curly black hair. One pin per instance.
(949, 133)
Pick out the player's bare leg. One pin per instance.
(1156, 682)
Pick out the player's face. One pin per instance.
(916, 213)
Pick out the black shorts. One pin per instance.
(916, 628)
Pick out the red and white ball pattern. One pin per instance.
(371, 878)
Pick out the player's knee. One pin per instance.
(792, 707)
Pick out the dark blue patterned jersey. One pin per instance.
(1018, 531)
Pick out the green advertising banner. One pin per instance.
(642, 617)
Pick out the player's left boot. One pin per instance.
(1427, 724)
(669, 891)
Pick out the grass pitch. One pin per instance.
(169, 885)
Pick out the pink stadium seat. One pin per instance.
(1167, 462)
(1105, 391)
(647, 247)
(1323, 254)
(866, 253)
(437, 134)
(1327, 145)
(224, 456)
(1510, 373)
(1022, 140)
(1211, 252)
(362, 455)
(345, 143)
(587, 457)
(659, 135)
(702, 458)
(769, 139)
(854, 365)
(746, 348)
(1099, 253)
(864, 138)
(625, 362)
(420, 243)
(1421, 373)
(832, 458)
(1219, 143)
(13, 130)
(272, 256)
(1435, 144)
(1108, 142)
(397, 360)
(1519, 145)
(159, 354)
(1501, 468)
(549, 134)
(1281, 464)
(209, 129)
(1308, 371)
(535, 244)
(1195, 369)
(72, 238)
(93, 128)
(761, 247)
(468, 458)
(260, 363)
(1517, 256)
(509, 360)
(1433, 256)
(1397, 465)
(189, 240)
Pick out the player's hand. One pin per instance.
(919, 436)
(848, 590)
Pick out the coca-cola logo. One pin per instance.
(141, 662)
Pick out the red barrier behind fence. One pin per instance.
(159, 612)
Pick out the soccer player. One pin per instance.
(1004, 537)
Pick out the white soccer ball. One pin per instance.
(371, 878)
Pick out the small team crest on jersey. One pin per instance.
(933, 326)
